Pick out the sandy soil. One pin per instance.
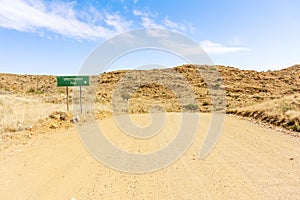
(249, 162)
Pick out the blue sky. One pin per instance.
(55, 37)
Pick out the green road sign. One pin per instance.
(73, 81)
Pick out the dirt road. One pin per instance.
(249, 162)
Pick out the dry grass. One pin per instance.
(283, 112)
(20, 113)
(287, 106)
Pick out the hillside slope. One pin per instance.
(243, 89)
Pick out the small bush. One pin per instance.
(31, 90)
(205, 103)
(125, 96)
(285, 107)
(191, 107)
(262, 90)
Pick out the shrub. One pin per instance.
(285, 106)
(205, 103)
(191, 107)
(125, 96)
(31, 90)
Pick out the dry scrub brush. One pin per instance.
(18, 113)
(283, 112)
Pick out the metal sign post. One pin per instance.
(80, 100)
(67, 92)
(67, 81)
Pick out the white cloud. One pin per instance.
(137, 12)
(216, 48)
(119, 24)
(174, 26)
(54, 18)
(188, 27)
(60, 18)
(208, 47)
(149, 20)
